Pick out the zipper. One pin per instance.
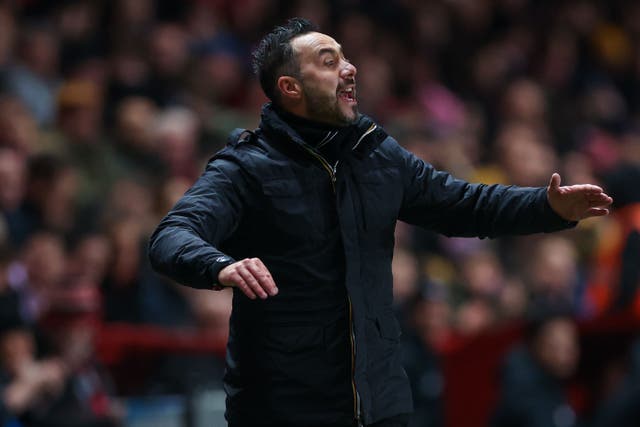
(332, 174)
(330, 170)
(364, 218)
(325, 164)
(356, 395)
(371, 129)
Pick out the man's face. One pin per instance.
(327, 78)
(557, 348)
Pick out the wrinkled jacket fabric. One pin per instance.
(326, 347)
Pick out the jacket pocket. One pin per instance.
(379, 193)
(292, 357)
(287, 350)
(383, 337)
(388, 327)
(285, 339)
(290, 208)
(282, 187)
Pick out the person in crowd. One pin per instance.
(9, 298)
(615, 276)
(49, 200)
(552, 275)
(84, 396)
(425, 324)
(196, 372)
(38, 274)
(34, 77)
(619, 404)
(298, 217)
(26, 383)
(534, 375)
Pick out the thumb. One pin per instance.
(554, 183)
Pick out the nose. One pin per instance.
(348, 70)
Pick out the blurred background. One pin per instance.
(109, 110)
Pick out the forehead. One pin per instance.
(313, 43)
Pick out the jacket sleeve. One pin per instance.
(435, 200)
(184, 246)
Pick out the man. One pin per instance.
(298, 217)
(534, 374)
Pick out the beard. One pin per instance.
(325, 107)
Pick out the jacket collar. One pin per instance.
(273, 125)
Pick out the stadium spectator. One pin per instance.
(49, 202)
(534, 376)
(26, 384)
(34, 76)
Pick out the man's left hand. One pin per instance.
(576, 202)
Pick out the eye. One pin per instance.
(329, 62)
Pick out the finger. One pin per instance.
(263, 276)
(554, 183)
(599, 199)
(243, 286)
(595, 189)
(591, 212)
(258, 276)
(588, 189)
(249, 278)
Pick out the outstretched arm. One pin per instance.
(434, 199)
(576, 202)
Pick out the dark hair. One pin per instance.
(540, 316)
(274, 56)
(46, 167)
(6, 255)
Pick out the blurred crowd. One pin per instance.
(109, 110)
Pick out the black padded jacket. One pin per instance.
(324, 351)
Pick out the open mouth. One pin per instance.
(348, 95)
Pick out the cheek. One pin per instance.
(320, 94)
(321, 81)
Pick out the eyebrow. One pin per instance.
(330, 50)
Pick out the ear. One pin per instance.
(290, 88)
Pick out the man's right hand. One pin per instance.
(250, 276)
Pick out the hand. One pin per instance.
(33, 382)
(249, 275)
(576, 202)
(52, 375)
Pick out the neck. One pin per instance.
(296, 120)
(326, 138)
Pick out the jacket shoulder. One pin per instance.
(242, 145)
(247, 153)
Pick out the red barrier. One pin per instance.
(470, 370)
(470, 365)
(131, 352)
(116, 341)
